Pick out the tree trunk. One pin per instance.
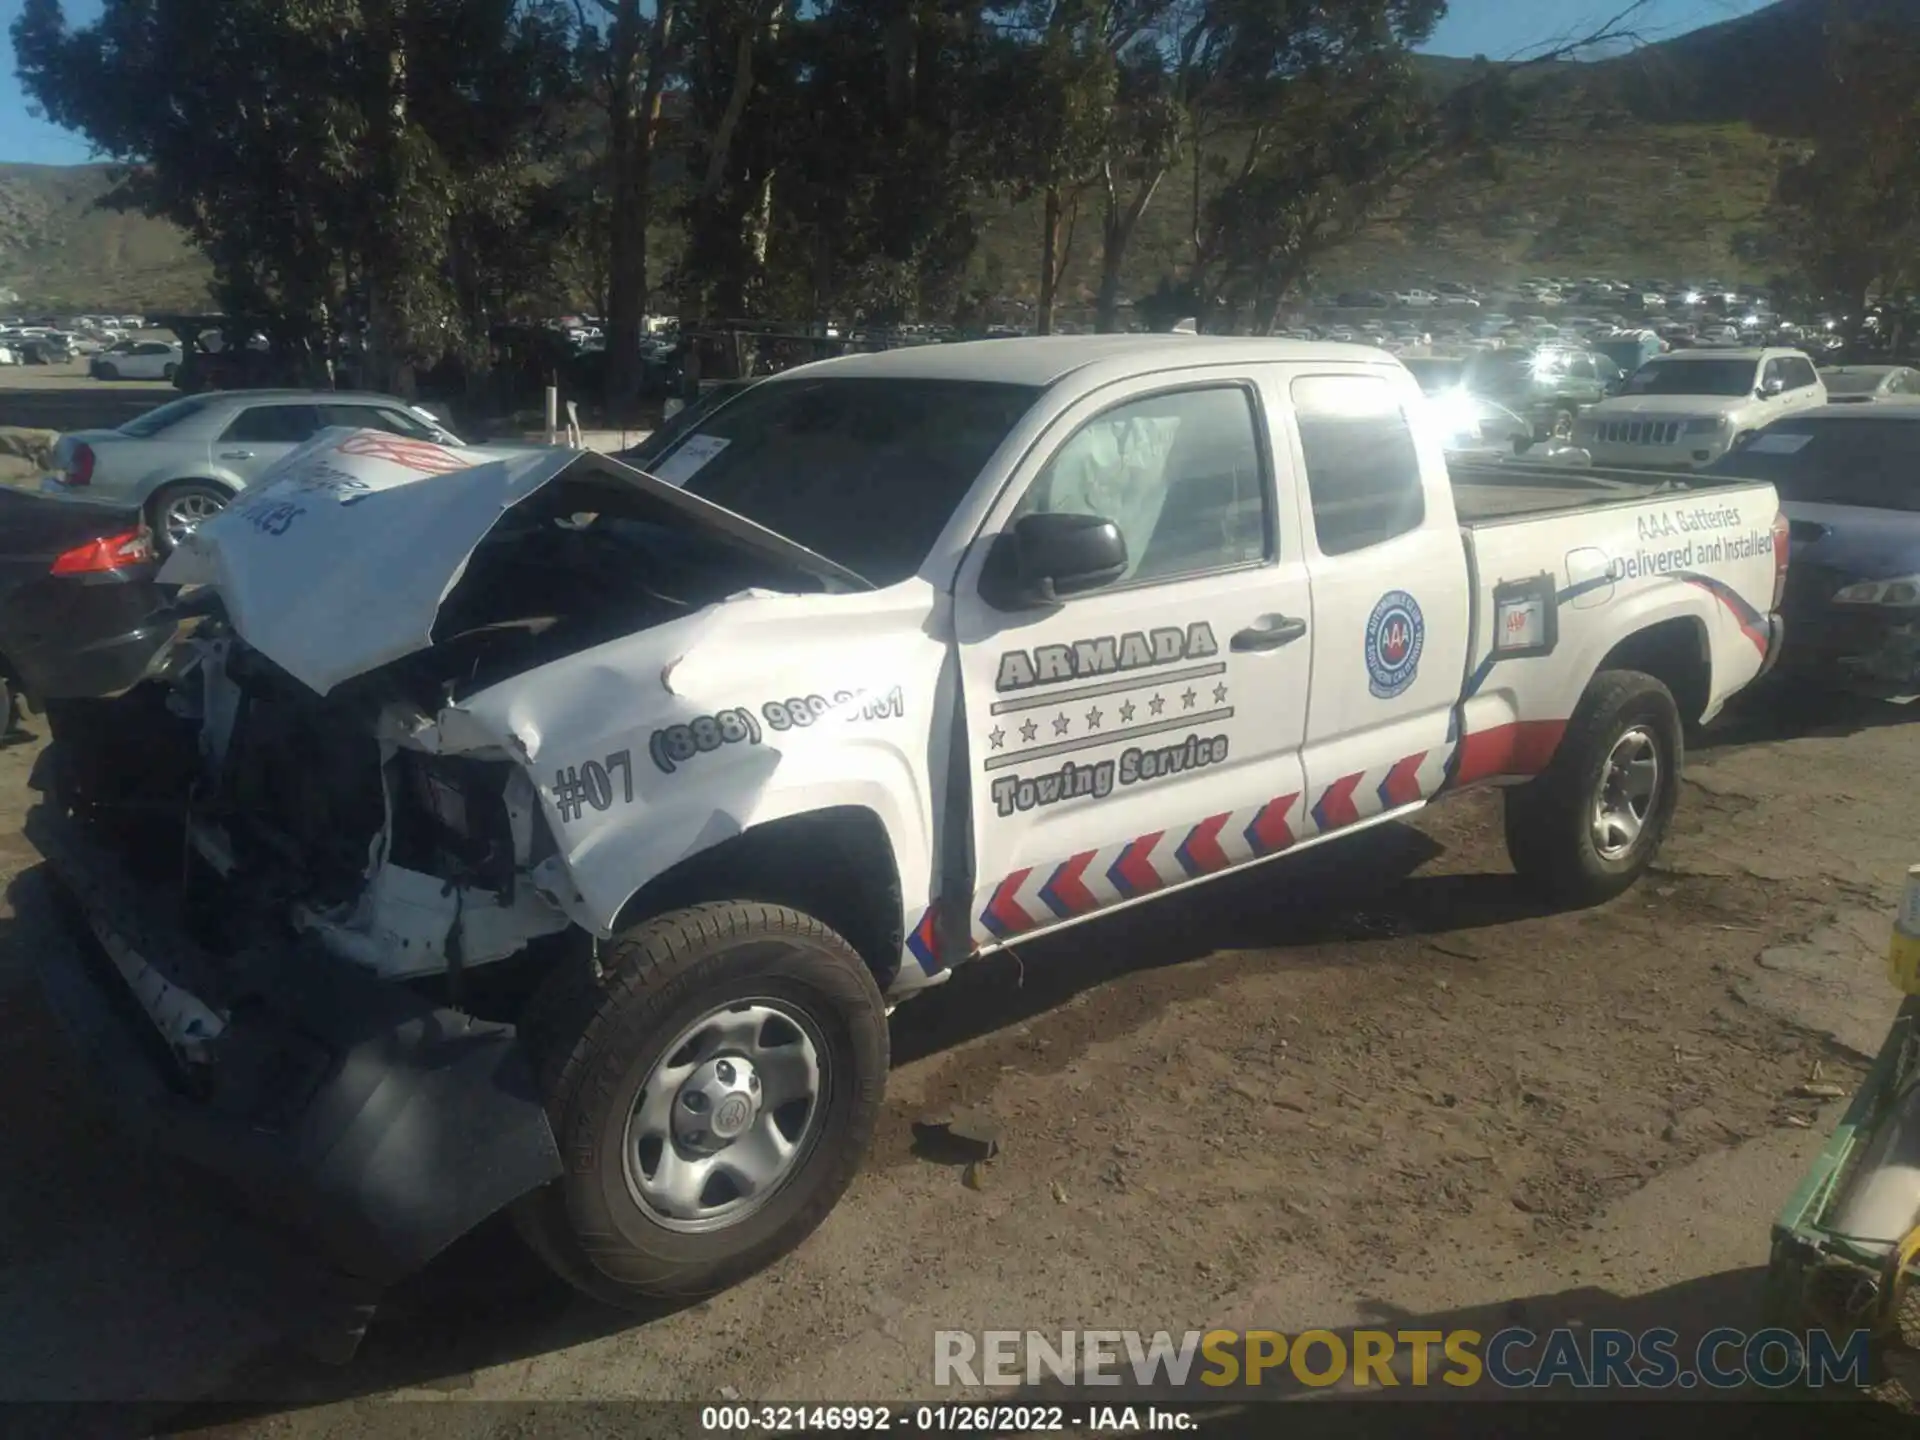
(1059, 215)
(1116, 234)
(633, 131)
(1049, 241)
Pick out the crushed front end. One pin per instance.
(257, 923)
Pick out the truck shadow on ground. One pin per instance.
(1537, 1405)
(487, 1301)
(1781, 709)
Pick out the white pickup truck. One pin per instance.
(560, 837)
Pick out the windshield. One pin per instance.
(1694, 377)
(1873, 463)
(1435, 376)
(1500, 374)
(145, 427)
(864, 471)
(1624, 353)
(1852, 382)
(676, 425)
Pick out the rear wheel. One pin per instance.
(178, 510)
(168, 371)
(1589, 827)
(713, 1089)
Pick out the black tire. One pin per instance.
(106, 372)
(596, 1038)
(1550, 821)
(168, 371)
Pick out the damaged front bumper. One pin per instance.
(350, 1111)
(1863, 652)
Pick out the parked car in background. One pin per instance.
(1685, 410)
(1849, 483)
(183, 462)
(1547, 385)
(137, 360)
(79, 606)
(1864, 384)
(1630, 349)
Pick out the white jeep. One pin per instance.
(1686, 409)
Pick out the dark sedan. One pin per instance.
(1849, 482)
(78, 601)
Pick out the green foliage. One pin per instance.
(1847, 208)
(371, 163)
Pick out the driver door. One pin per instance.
(1147, 733)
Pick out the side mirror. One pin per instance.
(1045, 559)
(1770, 388)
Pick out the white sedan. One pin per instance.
(137, 360)
(1866, 384)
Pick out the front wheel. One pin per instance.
(713, 1084)
(106, 372)
(168, 371)
(1586, 829)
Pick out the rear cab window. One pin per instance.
(1363, 468)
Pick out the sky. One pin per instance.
(1497, 28)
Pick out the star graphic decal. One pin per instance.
(1186, 700)
(997, 737)
(1156, 705)
(1030, 729)
(1093, 718)
(1220, 693)
(1126, 713)
(1060, 724)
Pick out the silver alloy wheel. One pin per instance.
(728, 1116)
(182, 514)
(1629, 789)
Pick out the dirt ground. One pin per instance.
(1372, 1085)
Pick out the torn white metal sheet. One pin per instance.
(337, 561)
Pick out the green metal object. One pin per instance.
(1805, 1253)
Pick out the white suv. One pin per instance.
(1686, 409)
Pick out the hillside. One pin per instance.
(60, 250)
(1662, 163)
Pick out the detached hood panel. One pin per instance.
(336, 563)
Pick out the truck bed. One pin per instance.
(1495, 491)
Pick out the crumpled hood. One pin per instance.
(337, 561)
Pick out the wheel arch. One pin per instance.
(1678, 652)
(836, 864)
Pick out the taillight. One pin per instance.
(80, 467)
(110, 552)
(1782, 534)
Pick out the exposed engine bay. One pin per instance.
(281, 813)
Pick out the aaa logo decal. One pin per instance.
(1395, 636)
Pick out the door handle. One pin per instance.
(1271, 633)
(236, 454)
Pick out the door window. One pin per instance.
(275, 424)
(1363, 472)
(1800, 373)
(1181, 474)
